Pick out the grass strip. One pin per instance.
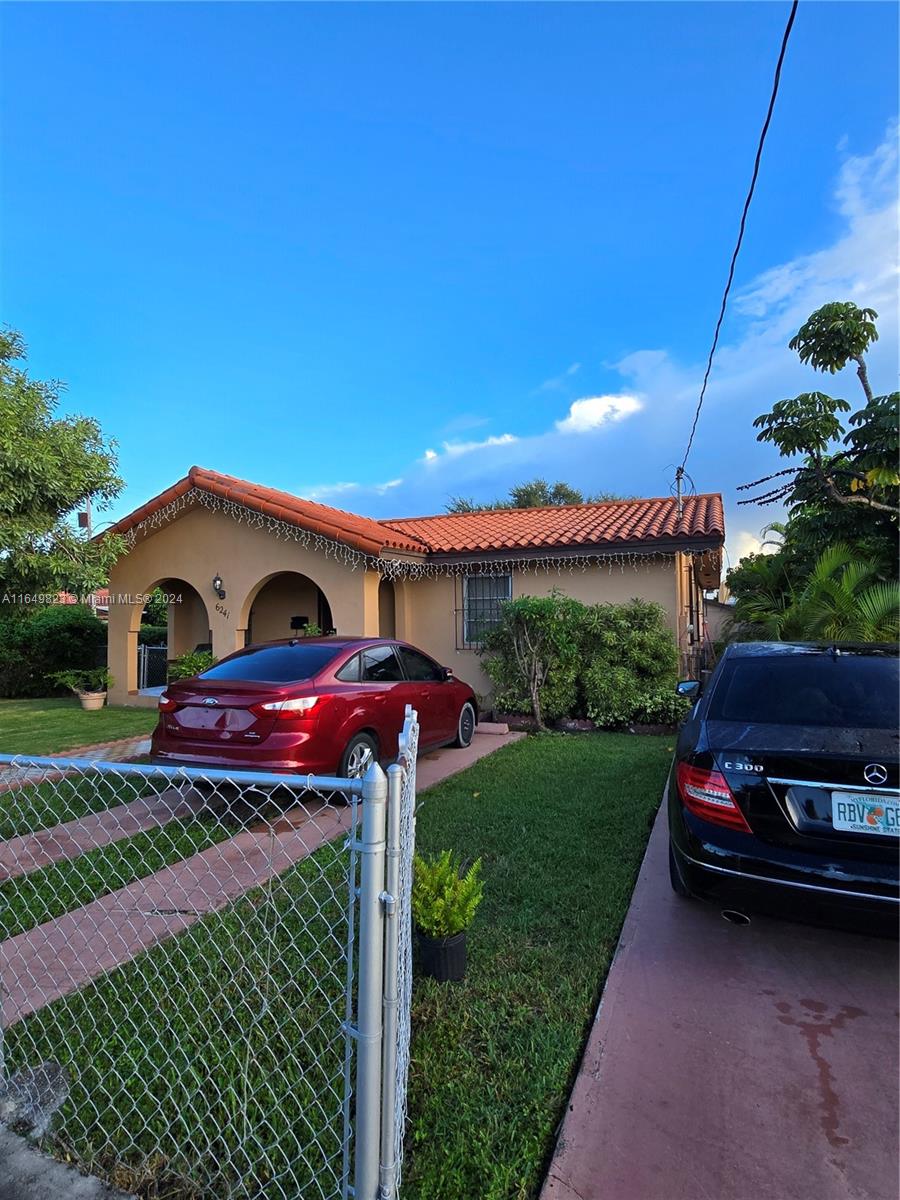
(51, 725)
(51, 891)
(561, 823)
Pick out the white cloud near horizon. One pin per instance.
(752, 370)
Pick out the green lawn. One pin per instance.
(561, 822)
(206, 1035)
(47, 726)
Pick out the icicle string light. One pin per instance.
(400, 568)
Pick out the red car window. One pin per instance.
(380, 665)
(419, 667)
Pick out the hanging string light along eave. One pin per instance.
(404, 567)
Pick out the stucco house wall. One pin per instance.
(196, 547)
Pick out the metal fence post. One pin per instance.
(370, 986)
(388, 1172)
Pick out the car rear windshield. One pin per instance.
(843, 691)
(274, 664)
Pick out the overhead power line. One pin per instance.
(679, 474)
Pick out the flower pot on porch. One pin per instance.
(92, 700)
(443, 958)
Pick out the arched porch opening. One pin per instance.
(282, 606)
(187, 629)
(387, 609)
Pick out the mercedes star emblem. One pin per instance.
(875, 773)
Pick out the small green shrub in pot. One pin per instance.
(185, 666)
(89, 686)
(444, 901)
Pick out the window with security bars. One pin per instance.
(482, 597)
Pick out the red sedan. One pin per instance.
(321, 706)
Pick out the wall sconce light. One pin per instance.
(217, 587)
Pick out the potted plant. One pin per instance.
(444, 900)
(89, 686)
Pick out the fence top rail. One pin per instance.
(318, 783)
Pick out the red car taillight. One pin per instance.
(706, 794)
(166, 703)
(298, 709)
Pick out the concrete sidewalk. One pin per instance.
(732, 1062)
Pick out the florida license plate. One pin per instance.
(860, 813)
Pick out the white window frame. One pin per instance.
(468, 641)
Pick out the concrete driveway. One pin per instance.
(732, 1062)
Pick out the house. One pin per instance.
(245, 563)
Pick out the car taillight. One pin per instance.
(166, 703)
(706, 794)
(288, 710)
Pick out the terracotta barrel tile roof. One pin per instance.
(362, 533)
(609, 524)
(614, 524)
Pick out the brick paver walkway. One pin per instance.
(60, 956)
(20, 855)
(64, 954)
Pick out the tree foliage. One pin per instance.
(49, 466)
(842, 486)
(848, 462)
(537, 493)
(842, 600)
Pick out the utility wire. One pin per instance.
(762, 141)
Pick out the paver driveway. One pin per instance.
(734, 1063)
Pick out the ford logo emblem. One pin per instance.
(213, 700)
(875, 773)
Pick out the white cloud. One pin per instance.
(559, 381)
(331, 490)
(753, 369)
(457, 449)
(592, 412)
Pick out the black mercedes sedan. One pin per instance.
(783, 794)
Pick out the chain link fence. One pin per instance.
(198, 994)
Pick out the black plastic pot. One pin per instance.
(444, 959)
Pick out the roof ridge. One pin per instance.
(481, 512)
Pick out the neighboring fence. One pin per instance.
(153, 663)
(206, 977)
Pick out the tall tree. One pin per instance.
(49, 466)
(537, 493)
(851, 463)
(842, 484)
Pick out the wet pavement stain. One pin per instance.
(814, 1029)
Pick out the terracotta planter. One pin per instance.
(443, 959)
(92, 700)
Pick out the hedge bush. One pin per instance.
(532, 656)
(37, 642)
(153, 635)
(555, 657)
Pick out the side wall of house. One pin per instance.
(429, 611)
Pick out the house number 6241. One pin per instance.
(220, 608)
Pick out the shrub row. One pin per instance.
(35, 642)
(552, 657)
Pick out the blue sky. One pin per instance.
(386, 254)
